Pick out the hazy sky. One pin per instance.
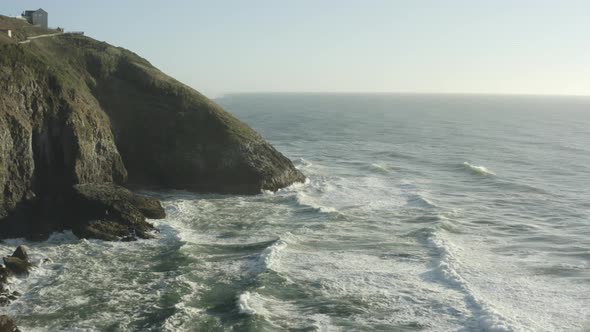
(529, 47)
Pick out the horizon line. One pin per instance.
(491, 94)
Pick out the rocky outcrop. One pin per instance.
(17, 264)
(184, 140)
(49, 140)
(14, 265)
(111, 212)
(76, 111)
(21, 252)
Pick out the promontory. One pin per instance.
(81, 119)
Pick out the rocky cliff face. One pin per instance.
(77, 111)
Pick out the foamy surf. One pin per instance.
(379, 169)
(446, 266)
(302, 163)
(269, 258)
(281, 315)
(480, 170)
(247, 304)
(306, 200)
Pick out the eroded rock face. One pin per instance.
(49, 140)
(76, 111)
(111, 212)
(184, 140)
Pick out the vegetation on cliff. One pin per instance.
(77, 111)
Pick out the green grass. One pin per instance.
(20, 30)
(159, 123)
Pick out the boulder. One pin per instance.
(111, 212)
(17, 265)
(8, 324)
(21, 252)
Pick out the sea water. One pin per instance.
(420, 213)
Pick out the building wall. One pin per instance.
(40, 19)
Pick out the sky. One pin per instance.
(418, 46)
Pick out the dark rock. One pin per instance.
(110, 212)
(38, 237)
(4, 275)
(184, 140)
(129, 239)
(151, 208)
(17, 265)
(21, 252)
(8, 324)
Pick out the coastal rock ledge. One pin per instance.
(75, 111)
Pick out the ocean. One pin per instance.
(420, 213)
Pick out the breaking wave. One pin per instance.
(379, 169)
(269, 258)
(480, 170)
(309, 201)
(446, 267)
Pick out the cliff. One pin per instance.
(77, 111)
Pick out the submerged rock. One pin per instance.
(111, 212)
(8, 324)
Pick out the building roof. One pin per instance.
(30, 12)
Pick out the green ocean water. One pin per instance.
(420, 213)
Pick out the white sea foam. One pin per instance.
(270, 257)
(486, 316)
(481, 170)
(378, 168)
(341, 195)
(185, 313)
(420, 200)
(281, 314)
(307, 200)
(302, 163)
(248, 305)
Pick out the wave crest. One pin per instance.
(379, 169)
(480, 170)
(446, 266)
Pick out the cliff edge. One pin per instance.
(77, 111)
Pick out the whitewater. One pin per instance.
(419, 213)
